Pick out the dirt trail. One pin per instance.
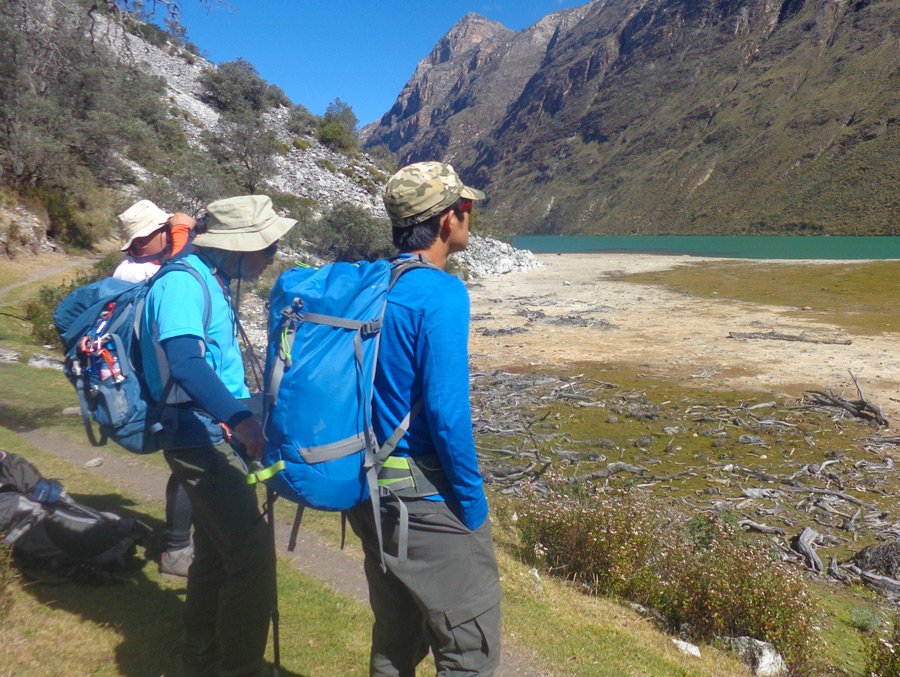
(342, 572)
(42, 267)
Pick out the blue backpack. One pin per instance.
(99, 325)
(324, 334)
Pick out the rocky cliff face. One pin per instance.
(464, 86)
(695, 116)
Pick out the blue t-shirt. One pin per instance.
(424, 353)
(174, 307)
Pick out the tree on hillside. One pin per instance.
(338, 127)
(347, 232)
(69, 114)
(246, 147)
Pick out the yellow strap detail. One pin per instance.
(397, 462)
(393, 481)
(265, 473)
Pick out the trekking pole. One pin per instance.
(276, 648)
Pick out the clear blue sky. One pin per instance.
(361, 51)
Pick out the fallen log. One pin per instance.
(775, 336)
(860, 408)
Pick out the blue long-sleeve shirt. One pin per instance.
(424, 353)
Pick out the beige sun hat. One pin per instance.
(247, 223)
(139, 220)
(423, 189)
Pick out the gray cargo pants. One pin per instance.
(445, 596)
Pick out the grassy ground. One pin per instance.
(70, 629)
(861, 298)
(82, 630)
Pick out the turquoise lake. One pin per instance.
(743, 247)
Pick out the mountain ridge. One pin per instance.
(692, 116)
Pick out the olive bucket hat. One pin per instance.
(139, 220)
(247, 223)
(419, 191)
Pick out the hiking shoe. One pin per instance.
(177, 562)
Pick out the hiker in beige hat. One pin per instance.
(151, 236)
(189, 334)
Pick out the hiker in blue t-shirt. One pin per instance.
(231, 582)
(445, 596)
(153, 236)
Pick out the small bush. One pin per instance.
(702, 578)
(236, 86)
(883, 653)
(301, 121)
(350, 233)
(300, 144)
(337, 130)
(325, 163)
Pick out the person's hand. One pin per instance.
(250, 433)
(182, 219)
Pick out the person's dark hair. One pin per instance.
(422, 235)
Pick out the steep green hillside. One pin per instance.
(702, 117)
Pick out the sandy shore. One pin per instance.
(666, 333)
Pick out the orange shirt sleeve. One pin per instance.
(179, 236)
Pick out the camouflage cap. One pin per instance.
(421, 190)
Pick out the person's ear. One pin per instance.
(447, 224)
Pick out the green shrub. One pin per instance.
(301, 121)
(384, 157)
(337, 130)
(325, 163)
(39, 309)
(347, 232)
(236, 86)
(883, 653)
(300, 144)
(700, 575)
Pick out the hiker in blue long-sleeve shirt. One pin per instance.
(445, 595)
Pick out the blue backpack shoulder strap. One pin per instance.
(171, 267)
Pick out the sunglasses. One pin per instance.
(269, 251)
(465, 206)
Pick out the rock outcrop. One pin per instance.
(486, 257)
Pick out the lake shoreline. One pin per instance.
(519, 320)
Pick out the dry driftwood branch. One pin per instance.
(881, 583)
(761, 528)
(804, 545)
(835, 572)
(829, 492)
(775, 336)
(612, 469)
(860, 408)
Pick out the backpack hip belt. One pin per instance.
(413, 476)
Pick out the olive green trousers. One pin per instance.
(231, 583)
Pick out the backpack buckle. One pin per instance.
(294, 312)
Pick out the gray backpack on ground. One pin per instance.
(49, 529)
